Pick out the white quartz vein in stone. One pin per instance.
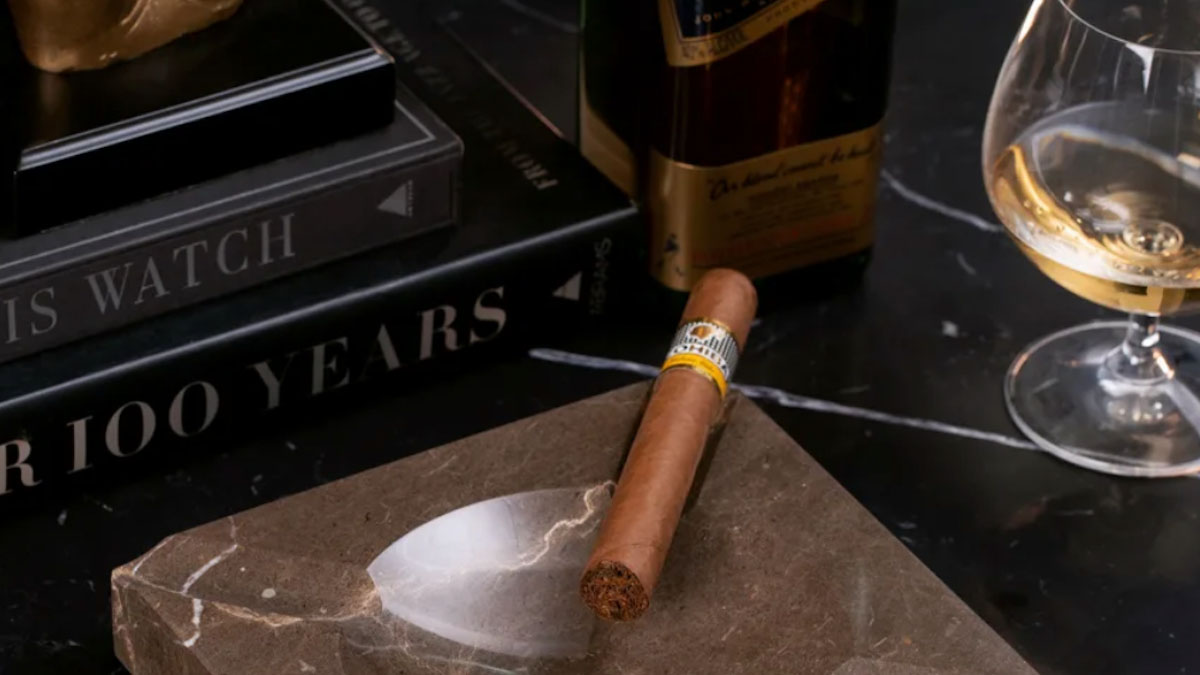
(908, 194)
(790, 400)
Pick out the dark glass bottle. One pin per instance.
(766, 155)
(617, 72)
(759, 139)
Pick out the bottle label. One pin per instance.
(794, 207)
(702, 31)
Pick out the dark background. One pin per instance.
(1082, 573)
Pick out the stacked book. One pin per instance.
(463, 227)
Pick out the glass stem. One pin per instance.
(1140, 359)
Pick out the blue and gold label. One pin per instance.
(696, 32)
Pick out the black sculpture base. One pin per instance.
(279, 77)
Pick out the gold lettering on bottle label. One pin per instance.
(696, 33)
(794, 207)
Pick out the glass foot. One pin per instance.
(1074, 395)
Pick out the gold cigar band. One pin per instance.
(707, 347)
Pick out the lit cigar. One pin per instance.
(633, 541)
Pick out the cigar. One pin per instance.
(632, 545)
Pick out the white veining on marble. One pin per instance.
(950, 329)
(567, 526)
(151, 552)
(442, 467)
(468, 663)
(269, 619)
(501, 574)
(203, 569)
(1076, 512)
(962, 262)
(593, 362)
(199, 606)
(790, 400)
(908, 194)
(197, 614)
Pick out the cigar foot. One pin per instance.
(614, 592)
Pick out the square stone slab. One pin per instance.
(775, 569)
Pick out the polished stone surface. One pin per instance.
(893, 388)
(775, 569)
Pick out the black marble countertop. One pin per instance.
(895, 388)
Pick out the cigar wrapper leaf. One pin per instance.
(632, 546)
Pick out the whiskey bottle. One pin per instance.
(766, 153)
(751, 130)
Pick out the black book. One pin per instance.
(230, 233)
(276, 78)
(544, 243)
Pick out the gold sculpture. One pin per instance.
(61, 35)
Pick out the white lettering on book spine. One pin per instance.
(325, 362)
(20, 463)
(445, 327)
(131, 427)
(212, 403)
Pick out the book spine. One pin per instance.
(101, 427)
(230, 252)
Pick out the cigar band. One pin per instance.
(707, 347)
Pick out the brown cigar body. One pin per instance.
(633, 541)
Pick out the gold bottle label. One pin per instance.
(795, 207)
(696, 33)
